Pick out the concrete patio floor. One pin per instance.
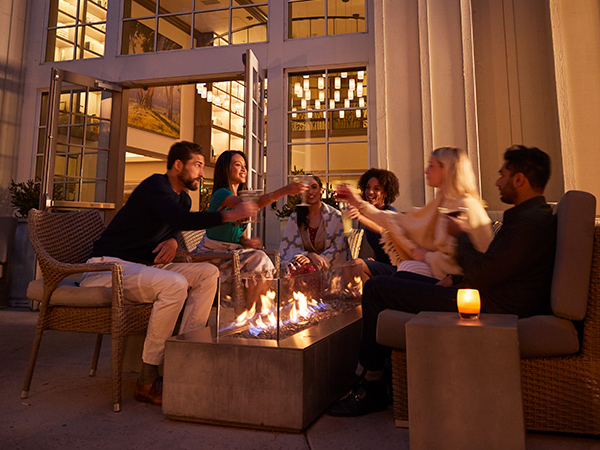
(68, 409)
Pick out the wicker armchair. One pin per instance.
(188, 240)
(560, 393)
(63, 243)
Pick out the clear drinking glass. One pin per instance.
(346, 220)
(306, 180)
(250, 196)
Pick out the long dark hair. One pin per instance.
(223, 170)
(302, 211)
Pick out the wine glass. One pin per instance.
(250, 195)
(306, 180)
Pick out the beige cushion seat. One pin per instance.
(68, 293)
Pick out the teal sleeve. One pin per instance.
(230, 231)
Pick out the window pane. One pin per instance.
(65, 29)
(73, 164)
(71, 190)
(170, 35)
(95, 164)
(306, 126)
(348, 157)
(132, 8)
(62, 47)
(93, 191)
(352, 180)
(248, 2)
(211, 4)
(345, 16)
(306, 18)
(94, 102)
(138, 36)
(59, 164)
(44, 109)
(211, 29)
(76, 135)
(171, 6)
(95, 12)
(345, 125)
(249, 24)
(93, 42)
(310, 158)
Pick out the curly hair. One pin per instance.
(387, 179)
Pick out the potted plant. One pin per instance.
(24, 196)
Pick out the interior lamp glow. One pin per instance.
(468, 303)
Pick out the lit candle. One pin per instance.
(468, 303)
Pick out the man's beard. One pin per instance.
(190, 183)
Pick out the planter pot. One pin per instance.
(23, 266)
(7, 239)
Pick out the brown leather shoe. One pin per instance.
(149, 392)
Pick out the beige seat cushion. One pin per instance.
(541, 336)
(68, 293)
(538, 336)
(390, 328)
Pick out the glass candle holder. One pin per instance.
(468, 303)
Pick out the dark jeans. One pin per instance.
(380, 268)
(403, 291)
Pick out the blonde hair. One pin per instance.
(459, 179)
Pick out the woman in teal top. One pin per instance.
(257, 269)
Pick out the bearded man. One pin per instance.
(142, 237)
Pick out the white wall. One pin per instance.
(12, 71)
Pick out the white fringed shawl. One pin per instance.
(426, 228)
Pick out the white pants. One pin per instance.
(165, 285)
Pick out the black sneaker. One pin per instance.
(368, 397)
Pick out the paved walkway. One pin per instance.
(68, 409)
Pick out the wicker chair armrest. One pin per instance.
(276, 257)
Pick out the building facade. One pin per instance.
(351, 84)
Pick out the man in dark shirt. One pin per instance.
(513, 276)
(142, 237)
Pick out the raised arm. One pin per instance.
(290, 189)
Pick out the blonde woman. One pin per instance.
(418, 241)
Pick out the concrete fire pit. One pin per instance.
(260, 383)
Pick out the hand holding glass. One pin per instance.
(346, 219)
(306, 180)
(251, 196)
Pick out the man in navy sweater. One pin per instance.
(142, 237)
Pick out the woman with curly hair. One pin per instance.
(380, 188)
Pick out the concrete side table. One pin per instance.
(464, 382)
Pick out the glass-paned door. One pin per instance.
(80, 163)
(254, 142)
